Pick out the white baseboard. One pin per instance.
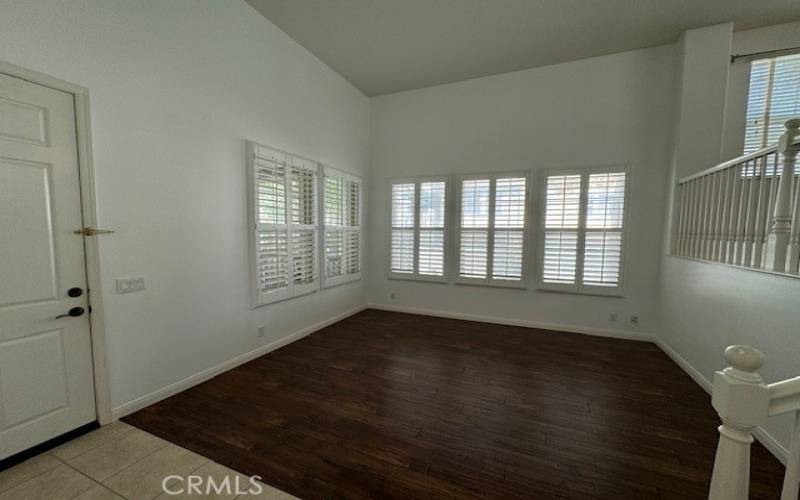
(764, 437)
(182, 385)
(600, 332)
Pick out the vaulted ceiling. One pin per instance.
(385, 46)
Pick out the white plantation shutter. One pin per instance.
(492, 229)
(582, 244)
(431, 228)
(509, 227)
(403, 223)
(285, 227)
(342, 233)
(605, 206)
(562, 211)
(773, 98)
(418, 226)
(474, 231)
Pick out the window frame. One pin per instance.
(292, 290)
(768, 115)
(329, 282)
(415, 275)
(578, 287)
(491, 230)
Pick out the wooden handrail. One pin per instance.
(735, 161)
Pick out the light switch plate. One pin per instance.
(128, 285)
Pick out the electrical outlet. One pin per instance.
(635, 319)
(392, 295)
(613, 317)
(260, 331)
(128, 285)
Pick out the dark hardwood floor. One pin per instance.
(389, 405)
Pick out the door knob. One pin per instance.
(74, 313)
(75, 292)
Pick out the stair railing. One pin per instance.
(746, 211)
(744, 402)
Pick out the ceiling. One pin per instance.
(385, 46)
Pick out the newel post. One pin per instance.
(742, 401)
(778, 242)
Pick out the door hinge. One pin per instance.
(90, 231)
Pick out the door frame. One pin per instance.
(97, 330)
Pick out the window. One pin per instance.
(582, 241)
(283, 215)
(418, 218)
(342, 233)
(492, 229)
(774, 97)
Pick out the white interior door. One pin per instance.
(46, 380)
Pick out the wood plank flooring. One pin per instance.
(390, 405)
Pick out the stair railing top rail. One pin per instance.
(790, 125)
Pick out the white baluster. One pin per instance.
(752, 211)
(741, 220)
(742, 402)
(730, 244)
(791, 482)
(782, 220)
(794, 235)
(759, 234)
(680, 235)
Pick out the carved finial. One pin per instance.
(794, 123)
(744, 362)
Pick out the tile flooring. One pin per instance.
(118, 462)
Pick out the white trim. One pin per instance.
(192, 380)
(83, 134)
(586, 330)
(764, 437)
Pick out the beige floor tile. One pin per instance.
(92, 440)
(218, 473)
(268, 493)
(143, 480)
(60, 483)
(99, 493)
(115, 455)
(22, 472)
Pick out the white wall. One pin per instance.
(707, 307)
(607, 110)
(176, 87)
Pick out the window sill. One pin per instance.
(616, 294)
(418, 278)
(491, 284)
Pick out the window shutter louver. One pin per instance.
(474, 241)
(509, 226)
(605, 207)
(562, 215)
(418, 219)
(431, 233)
(583, 231)
(342, 234)
(284, 209)
(773, 98)
(492, 229)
